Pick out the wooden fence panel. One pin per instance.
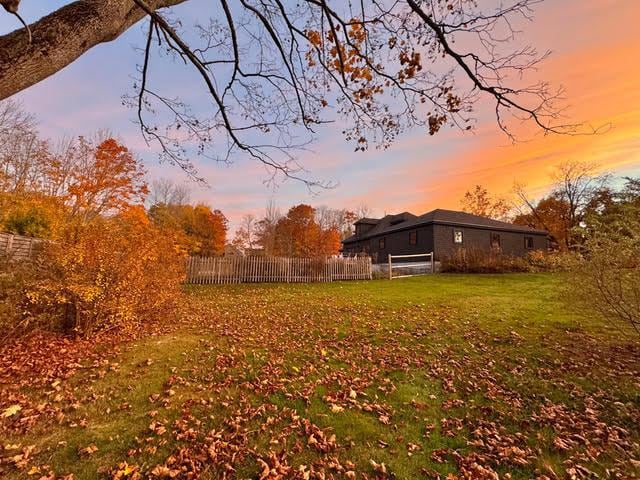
(17, 247)
(227, 270)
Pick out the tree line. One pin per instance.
(304, 231)
(117, 243)
(580, 196)
(109, 262)
(47, 187)
(593, 220)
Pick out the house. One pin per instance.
(441, 232)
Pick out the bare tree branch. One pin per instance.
(273, 71)
(62, 37)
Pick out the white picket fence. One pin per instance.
(219, 270)
(17, 247)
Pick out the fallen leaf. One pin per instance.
(12, 410)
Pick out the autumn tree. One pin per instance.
(210, 227)
(577, 188)
(339, 219)
(24, 158)
(298, 234)
(105, 179)
(92, 176)
(200, 230)
(82, 177)
(329, 242)
(550, 214)
(108, 265)
(272, 70)
(114, 272)
(266, 228)
(245, 236)
(32, 214)
(479, 202)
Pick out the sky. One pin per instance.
(594, 44)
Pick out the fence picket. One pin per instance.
(229, 270)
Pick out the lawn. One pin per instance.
(468, 376)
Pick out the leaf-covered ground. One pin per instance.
(474, 377)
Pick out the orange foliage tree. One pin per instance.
(550, 214)
(211, 228)
(105, 179)
(89, 177)
(298, 234)
(329, 242)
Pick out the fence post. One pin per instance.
(10, 244)
(389, 266)
(433, 264)
(288, 262)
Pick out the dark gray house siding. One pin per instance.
(407, 234)
(395, 243)
(474, 238)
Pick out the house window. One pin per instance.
(381, 244)
(457, 236)
(528, 243)
(495, 240)
(413, 238)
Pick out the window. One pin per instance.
(495, 240)
(528, 243)
(381, 244)
(457, 236)
(413, 238)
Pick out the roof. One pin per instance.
(406, 220)
(368, 220)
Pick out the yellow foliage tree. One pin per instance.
(113, 272)
(199, 230)
(31, 214)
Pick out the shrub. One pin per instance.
(540, 261)
(606, 278)
(114, 272)
(14, 277)
(479, 261)
(31, 214)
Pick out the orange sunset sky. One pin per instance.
(596, 54)
(595, 48)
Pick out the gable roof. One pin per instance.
(406, 220)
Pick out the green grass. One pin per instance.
(395, 370)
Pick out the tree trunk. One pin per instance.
(63, 36)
